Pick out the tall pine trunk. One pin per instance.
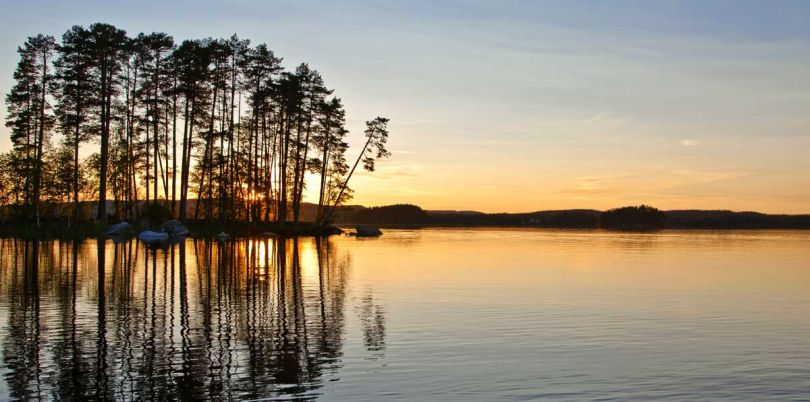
(40, 137)
(324, 167)
(105, 134)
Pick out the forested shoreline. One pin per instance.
(635, 218)
(162, 122)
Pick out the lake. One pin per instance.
(432, 314)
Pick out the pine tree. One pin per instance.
(376, 138)
(28, 115)
(74, 94)
(107, 46)
(249, 132)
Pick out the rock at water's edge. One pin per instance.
(174, 228)
(120, 228)
(149, 236)
(367, 231)
(331, 230)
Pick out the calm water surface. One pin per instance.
(479, 315)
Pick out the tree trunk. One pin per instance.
(105, 133)
(174, 145)
(324, 166)
(186, 123)
(155, 117)
(300, 185)
(346, 182)
(41, 137)
(282, 199)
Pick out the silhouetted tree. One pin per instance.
(642, 217)
(153, 49)
(313, 93)
(329, 142)
(107, 46)
(249, 132)
(28, 116)
(191, 59)
(74, 97)
(376, 138)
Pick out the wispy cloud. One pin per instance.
(597, 117)
(386, 171)
(417, 122)
(600, 183)
(610, 119)
(708, 176)
(655, 182)
(689, 142)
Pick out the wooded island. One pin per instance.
(151, 124)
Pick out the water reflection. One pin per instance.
(198, 320)
(438, 314)
(373, 320)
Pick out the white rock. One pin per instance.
(119, 228)
(174, 228)
(149, 236)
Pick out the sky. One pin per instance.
(516, 106)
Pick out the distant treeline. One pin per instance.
(400, 214)
(626, 218)
(165, 121)
(696, 219)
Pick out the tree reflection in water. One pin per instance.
(198, 320)
(372, 317)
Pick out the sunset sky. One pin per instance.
(529, 105)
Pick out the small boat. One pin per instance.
(223, 237)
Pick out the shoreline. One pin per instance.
(200, 230)
(85, 230)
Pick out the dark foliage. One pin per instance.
(627, 218)
(156, 214)
(207, 129)
(391, 214)
(575, 218)
(642, 217)
(695, 219)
